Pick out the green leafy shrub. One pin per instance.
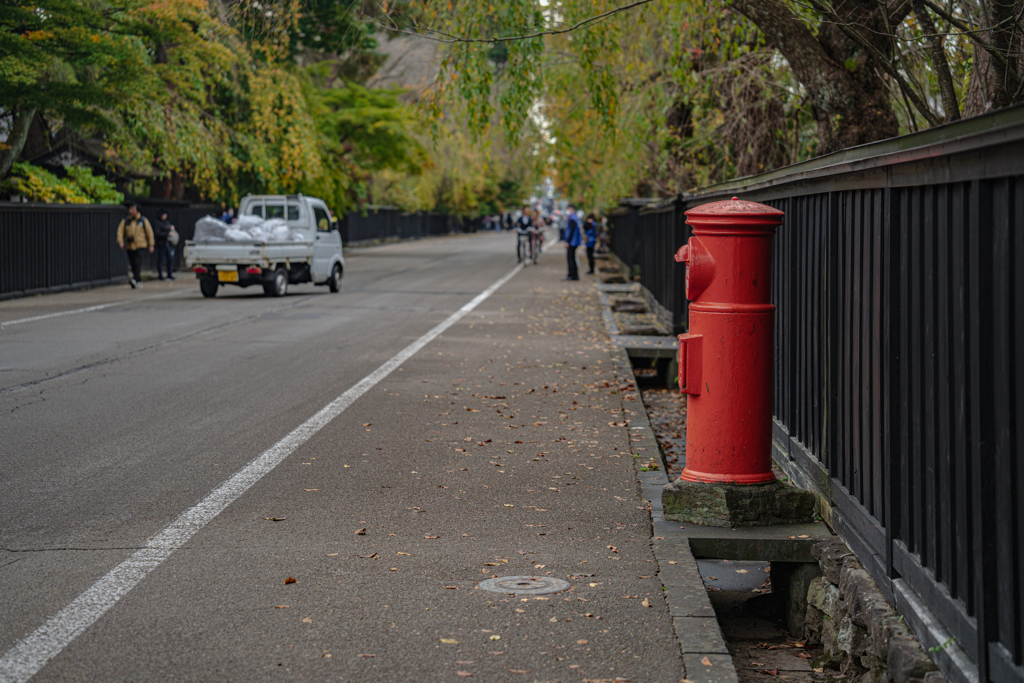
(80, 187)
(98, 188)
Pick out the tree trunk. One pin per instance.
(15, 139)
(982, 85)
(160, 188)
(939, 64)
(1000, 16)
(851, 101)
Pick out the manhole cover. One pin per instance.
(525, 585)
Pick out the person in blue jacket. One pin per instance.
(573, 239)
(590, 230)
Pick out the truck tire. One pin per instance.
(335, 280)
(208, 286)
(279, 285)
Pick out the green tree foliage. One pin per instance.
(72, 59)
(215, 98)
(660, 96)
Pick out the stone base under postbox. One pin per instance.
(737, 505)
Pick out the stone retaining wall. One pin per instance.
(863, 637)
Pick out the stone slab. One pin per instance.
(647, 346)
(735, 505)
(783, 543)
(717, 669)
(700, 635)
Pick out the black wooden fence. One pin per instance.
(899, 383)
(54, 247)
(384, 223)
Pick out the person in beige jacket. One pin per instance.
(134, 234)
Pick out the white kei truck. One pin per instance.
(317, 258)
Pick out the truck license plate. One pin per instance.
(227, 275)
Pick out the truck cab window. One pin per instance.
(275, 211)
(256, 210)
(293, 212)
(323, 223)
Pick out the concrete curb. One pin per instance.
(702, 647)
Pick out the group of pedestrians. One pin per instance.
(576, 234)
(136, 235)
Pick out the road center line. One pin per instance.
(87, 309)
(28, 656)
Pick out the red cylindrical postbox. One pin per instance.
(726, 360)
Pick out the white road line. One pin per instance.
(97, 307)
(28, 656)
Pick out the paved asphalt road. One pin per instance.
(118, 419)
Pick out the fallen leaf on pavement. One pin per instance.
(406, 554)
(612, 548)
(360, 532)
(429, 536)
(465, 673)
(368, 557)
(494, 637)
(367, 424)
(706, 661)
(616, 424)
(518, 671)
(742, 571)
(307, 620)
(366, 655)
(492, 564)
(282, 606)
(581, 642)
(803, 655)
(449, 641)
(275, 519)
(472, 410)
(645, 602)
(310, 489)
(289, 580)
(454, 588)
(773, 672)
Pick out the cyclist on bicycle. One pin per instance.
(525, 228)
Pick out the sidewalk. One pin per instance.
(506, 452)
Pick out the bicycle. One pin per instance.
(535, 245)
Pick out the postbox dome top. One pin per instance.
(735, 207)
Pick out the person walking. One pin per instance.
(162, 230)
(573, 238)
(591, 233)
(134, 234)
